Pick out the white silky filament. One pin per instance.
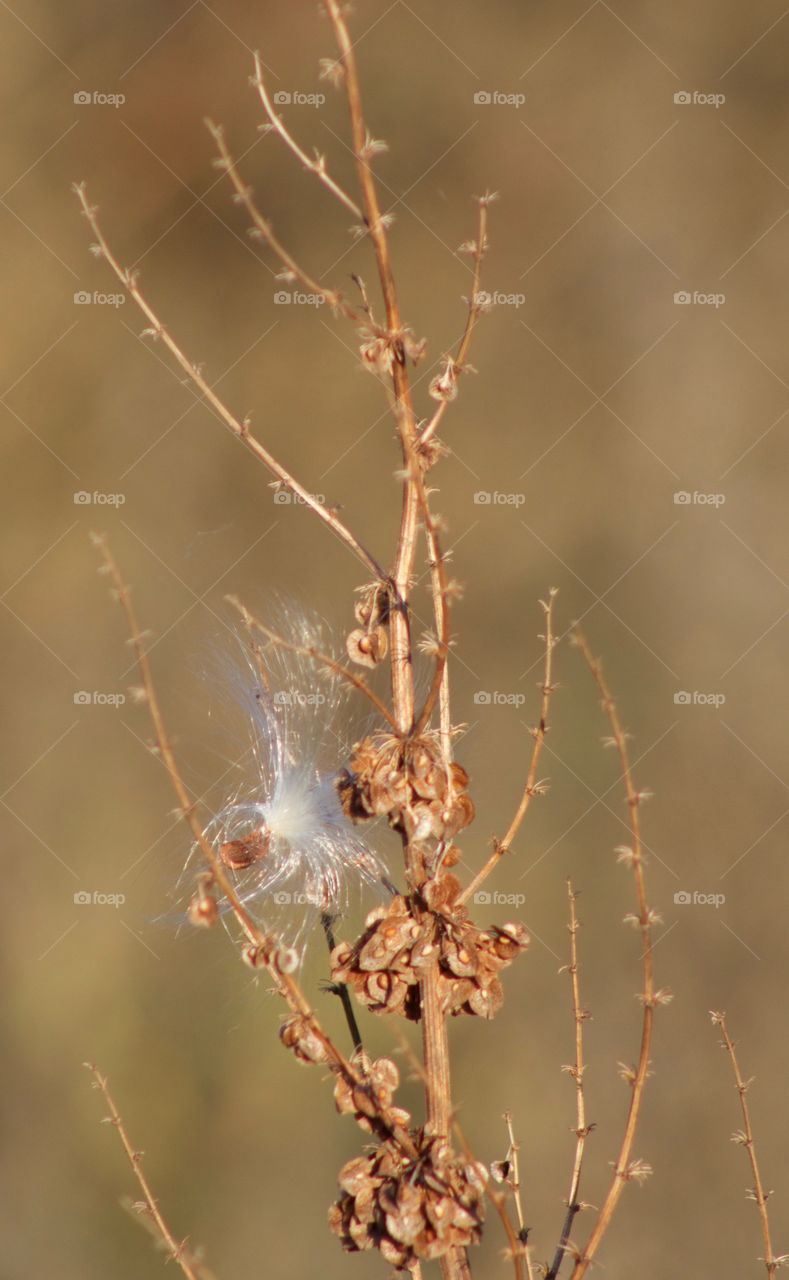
(284, 836)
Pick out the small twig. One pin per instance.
(626, 1169)
(315, 655)
(240, 429)
(178, 1251)
(263, 228)
(315, 166)
(582, 1129)
(514, 1179)
(744, 1138)
(531, 787)
(475, 309)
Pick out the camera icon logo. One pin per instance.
(682, 98)
(282, 899)
(283, 98)
(682, 898)
(82, 498)
(81, 98)
(483, 98)
(82, 298)
(482, 698)
(282, 297)
(482, 498)
(682, 498)
(282, 498)
(682, 298)
(82, 898)
(82, 698)
(483, 898)
(682, 698)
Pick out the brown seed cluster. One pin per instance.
(401, 940)
(409, 1207)
(408, 782)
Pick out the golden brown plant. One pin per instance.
(416, 1192)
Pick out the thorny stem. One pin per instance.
(240, 429)
(624, 1169)
(264, 949)
(531, 786)
(177, 1251)
(745, 1139)
(582, 1129)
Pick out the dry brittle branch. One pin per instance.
(262, 950)
(531, 787)
(626, 1169)
(177, 1250)
(744, 1138)
(128, 280)
(317, 166)
(576, 1072)
(262, 229)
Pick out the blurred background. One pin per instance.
(624, 440)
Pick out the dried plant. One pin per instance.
(416, 1192)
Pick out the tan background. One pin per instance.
(596, 400)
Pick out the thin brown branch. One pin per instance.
(531, 786)
(626, 1169)
(514, 1179)
(744, 1138)
(315, 655)
(263, 950)
(457, 364)
(240, 429)
(264, 230)
(401, 657)
(582, 1129)
(175, 1249)
(317, 165)
(515, 1248)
